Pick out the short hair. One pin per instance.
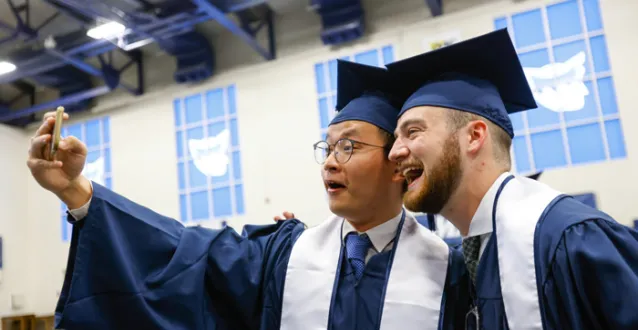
(502, 141)
(388, 140)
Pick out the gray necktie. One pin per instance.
(471, 248)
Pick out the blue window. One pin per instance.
(95, 133)
(577, 120)
(326, 80)
(208, 156)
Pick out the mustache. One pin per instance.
(409, 163)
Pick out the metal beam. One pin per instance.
(110, 75)
(44, 61)
(14, 35)
(235, 7)
(24, 87)
(93, 10)
(156, 29)
(145, 5)
(138, 58)
(271, 33)
(219, 16)
(6, 26)
(16, 11)
(436, 7)
(47, 21)
(70, 13)
(22, 28)
(69, 99)
(107, 73)
(88, 68)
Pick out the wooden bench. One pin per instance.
(28, 322)
(43, 322)
(18, 322)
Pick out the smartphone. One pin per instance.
(57, 129)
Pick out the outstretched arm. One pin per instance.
(131, 268)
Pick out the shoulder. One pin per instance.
(567, 221)
(568, 206)
(281, 230)
(596, 230)
(274, 242)
(566, 212)
(597, 246)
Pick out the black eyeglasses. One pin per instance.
(343, 150)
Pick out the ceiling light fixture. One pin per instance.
(6, 67)
(106, 31)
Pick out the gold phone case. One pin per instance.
(57, 129)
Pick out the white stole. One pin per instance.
(414, 290)
(518, 210)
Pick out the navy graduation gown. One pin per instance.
(586, 271)
(130, 268)
(357, 306)
(592, 280)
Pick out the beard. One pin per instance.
(439, 183)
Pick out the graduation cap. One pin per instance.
(365, 93)
(482, 75)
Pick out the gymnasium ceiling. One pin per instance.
(48, 43)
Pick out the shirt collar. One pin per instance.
(482, 220)
(380, 236)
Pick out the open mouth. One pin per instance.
(333, 186)
(412, 174)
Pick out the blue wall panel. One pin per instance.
(576, 122)
(209, 156)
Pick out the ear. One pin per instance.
(476, 135)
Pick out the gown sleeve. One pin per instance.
(131, 268)
(595, 275)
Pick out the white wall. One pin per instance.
(16, 246)
(278, 122)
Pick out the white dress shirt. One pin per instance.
(381, 236)
(81, 212)
(481, 224)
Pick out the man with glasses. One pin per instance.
(131, 268)
(399, 275)
(539, 259)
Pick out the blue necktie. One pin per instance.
(357, 248)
